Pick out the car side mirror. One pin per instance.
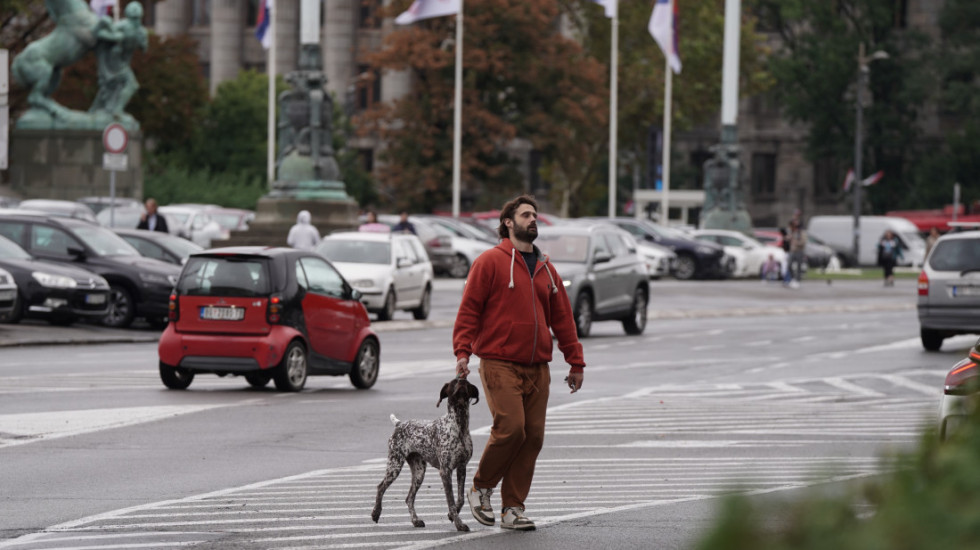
(355, 294)
(602, 257)
(403, 262)
(77, 253)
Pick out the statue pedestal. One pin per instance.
(67, 164)
(331, 209)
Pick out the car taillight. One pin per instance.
(962, 380)
(274, 313)
(173, 313)
(923, 283)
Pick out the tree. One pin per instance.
(522, 79)
(816, 79)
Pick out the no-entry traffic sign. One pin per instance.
(114, 138)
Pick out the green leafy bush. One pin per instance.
(930, 499)
(176, 184)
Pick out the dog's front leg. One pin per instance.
(447, 483)
(460, 486)
(417, 465)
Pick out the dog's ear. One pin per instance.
(444, 394)
(472, 392)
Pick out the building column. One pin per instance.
(287, 36)
(170, 18)
(339, 45)
(227, 28)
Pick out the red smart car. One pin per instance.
(266, 314)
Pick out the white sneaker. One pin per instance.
(513, 518)
(479, 500)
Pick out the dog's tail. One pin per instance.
(394, 420)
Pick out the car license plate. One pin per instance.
(7, 295)
(966, 291)
(95, 299)
(221, 313)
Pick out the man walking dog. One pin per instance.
(512, 300)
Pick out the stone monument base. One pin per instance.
(275, 215)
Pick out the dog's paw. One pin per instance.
(375, 514)
(462, 527)
(418, 523)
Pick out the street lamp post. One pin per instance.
(858, 183)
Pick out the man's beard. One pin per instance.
(526, 235)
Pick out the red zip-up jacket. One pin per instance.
(508, 315)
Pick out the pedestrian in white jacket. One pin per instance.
(303, 235)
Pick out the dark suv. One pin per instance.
(266, 314)
(695, 259)
(139, 287)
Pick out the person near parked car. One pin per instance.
(931, 240)
(372, 225)
(303, 235)
(770, 270)
(796, 236)
(403, 225)
(889, 253)
(514, 350)
(152, 221)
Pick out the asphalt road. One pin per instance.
(734, 387)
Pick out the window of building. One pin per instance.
(763, 174)
(368, 87)
(827, 178)
(252, 13)
(368, 16)
(366, 158)
(201, 13)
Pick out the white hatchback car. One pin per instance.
(749, 253)
(391, 270)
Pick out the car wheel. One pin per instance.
(122, 308)
(388, 310)
(685, 268)
(20, 308)
(258, 379)
(583, 314)
(422, 312)
(459, 267)
(175, 378)
(637, 321)
(932, 340)
(291, 373)
(364, 372)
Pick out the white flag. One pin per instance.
(427, 9)
(101, 7)
(663, 28)
(610, 6)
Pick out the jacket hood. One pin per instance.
(303, 218)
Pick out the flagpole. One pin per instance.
(271, 119)
(458, 111)
(115, 11)
(613, 108)
(665, 163)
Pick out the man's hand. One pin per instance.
(462, 367)
(574, 380)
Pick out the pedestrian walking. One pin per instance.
(303, 235)
(889, 253)
(512, 302)
(151, 220)
(931, 240)
(796, 236)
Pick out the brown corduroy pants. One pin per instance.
(517, 396)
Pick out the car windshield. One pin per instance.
(227, 221)
(225, 276)
(181, 217)
(356, 252)
(565, 248)
(119, 217)
(181, 247)
(913, 240)
(104, 242)
(956, 255)
(10, 251)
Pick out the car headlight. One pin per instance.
(53, 281)
(155, 279)
(704, 250)
(566, 283)
(363, 283)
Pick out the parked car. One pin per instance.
(753, 253)
(461, 228)
(139, 287)
(194, 224)
(8, 293)
(266, 314)
(61, 209)
(161, 246)
(960, 390)
(98, 204)
(818, 253)
(391, 270)
(232, 219)
(838, 233)
(695, 259)
(949, 289)
(58, 293)
(604, 276)
(438, 244)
